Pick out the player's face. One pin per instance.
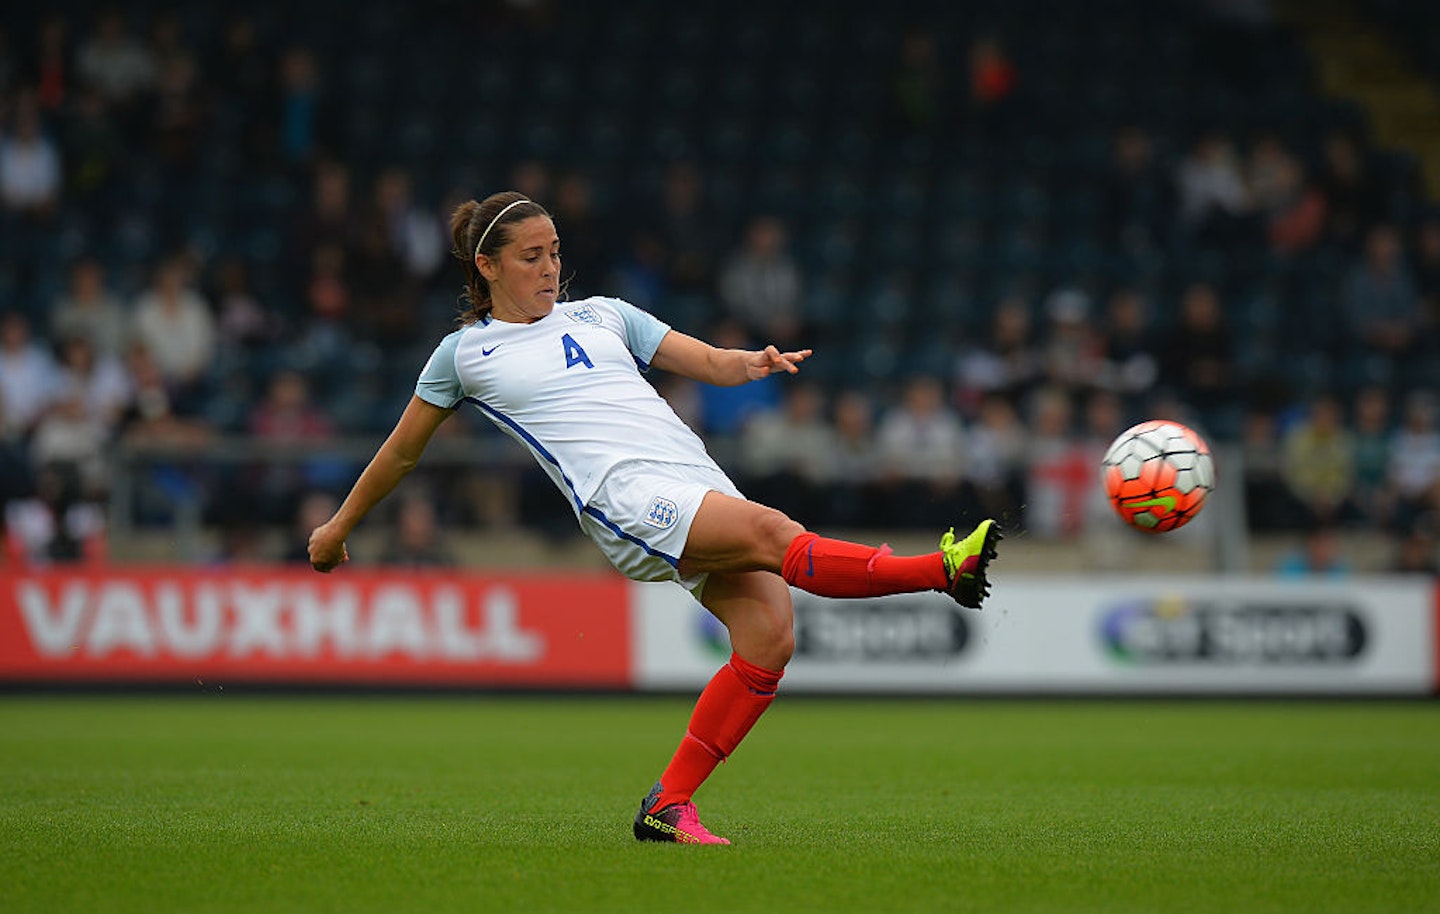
(524, 275)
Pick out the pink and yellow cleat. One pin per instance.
(678, 823)
(966, 561)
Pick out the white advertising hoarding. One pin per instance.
(1084, 635)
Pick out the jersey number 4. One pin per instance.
(574, 355)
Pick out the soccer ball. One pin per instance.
(1158, 475)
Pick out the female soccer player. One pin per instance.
(564, 379)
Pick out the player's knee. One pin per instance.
(782, 646)
(773, 641)
(774, 531)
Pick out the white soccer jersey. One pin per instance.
(567, 387)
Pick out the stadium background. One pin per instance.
(1008, 230)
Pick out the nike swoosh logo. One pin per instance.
(1164, 501)
(484, 351)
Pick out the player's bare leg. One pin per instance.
(732, 534)
(755, 608)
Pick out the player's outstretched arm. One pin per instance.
(395, 458)
(696, 359)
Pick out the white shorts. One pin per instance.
(641, 515)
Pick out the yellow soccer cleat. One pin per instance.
(966, 561)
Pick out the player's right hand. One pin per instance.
(327, 552)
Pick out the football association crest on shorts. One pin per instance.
(583, 315)
(662, 514)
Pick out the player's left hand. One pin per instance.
(761, 364)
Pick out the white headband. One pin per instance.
(495, 220)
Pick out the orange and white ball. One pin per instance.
(1158, 475)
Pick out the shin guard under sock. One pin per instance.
(836, 568)
(728, 707)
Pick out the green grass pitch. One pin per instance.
(221, 803)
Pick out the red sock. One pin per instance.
(835, 568)
(728, 707)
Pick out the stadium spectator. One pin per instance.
(9, 68)
(243, 75)
(1292, 208)
(152, 418)
(176, 327)
(1380, 303)
(532, 178)
(917, 86)
(52, 66)
(1417, 552)
(98, 379)
(786, 454)
(328, 220)
(639, 275)
(243, 323)
(1427, 270)
(416, 540)
(327, 294)
(1351, 193)
(180, 116)
(587, 249)
(286, 417)
(416, 234)
(1073, 350)
(1139, 198)
(920, 439)
(1318, 463)
(28, 374)
(69, 433)
(1269, 506)
(311, 510)
(298, 104)
(1414, 474)
(1214, 204)
(725, 410)
(1372, 433)
(94, 157)
(384, 298)
(1320, 554)
(760, 284)
(1059, 474)
(30, 172)
(993, 78)
(1266, 173)
(690, 232)
(167, 39)
(114, 62)
(16, 471)
(1105, 543)
(56, 524)
(241, 543)
(856, 462)
(1007, 363)
(1127, 348)
(996, 461)
(90, 309)
(1197, 356)
(326, 344)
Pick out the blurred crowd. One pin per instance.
(127, 318)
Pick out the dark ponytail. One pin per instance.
(468, 224)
